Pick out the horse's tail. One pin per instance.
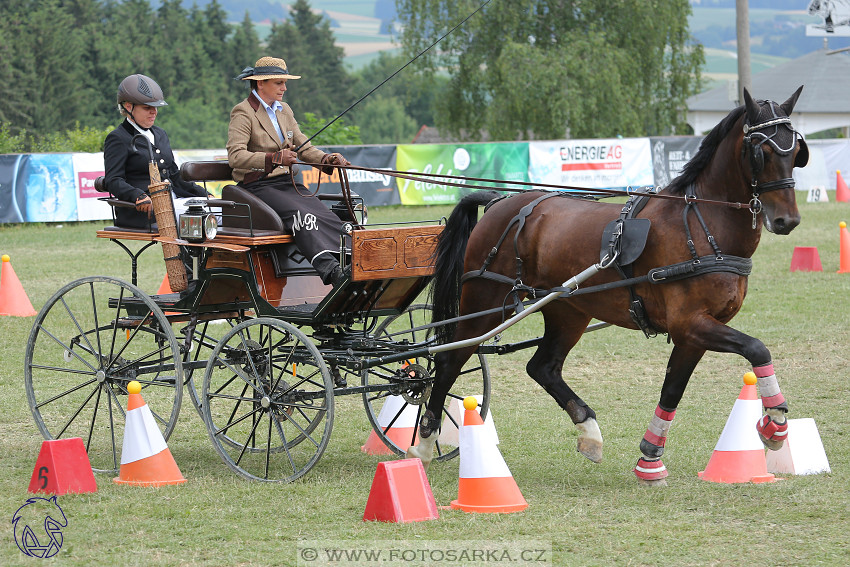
(451, 249)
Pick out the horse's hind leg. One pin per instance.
(564, 328)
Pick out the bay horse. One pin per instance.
(688, 281)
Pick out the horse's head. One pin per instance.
(772, 149)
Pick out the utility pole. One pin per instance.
(742, 27)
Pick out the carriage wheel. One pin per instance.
(267, 400)
(204, 339)
(89, 340)
(409, 385)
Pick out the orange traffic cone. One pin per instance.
(145, 458)
(486, 483)
(739, 453)
(401, 422)
(164, 287)
(843, 249)
(13, 298)
(842, 192)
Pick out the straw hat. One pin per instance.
(266, 68)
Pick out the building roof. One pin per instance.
(826, 78)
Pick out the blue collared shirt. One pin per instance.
(270, 110)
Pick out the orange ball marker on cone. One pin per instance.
(145, 458)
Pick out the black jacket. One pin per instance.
(127, 175)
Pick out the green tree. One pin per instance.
(307, 44)
(243, 50)
(549, 68)
(383, 120)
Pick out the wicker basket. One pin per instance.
(163, 209)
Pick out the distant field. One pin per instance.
(702, 18)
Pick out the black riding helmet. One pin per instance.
(140, 89)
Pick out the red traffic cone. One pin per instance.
(485, 483)
(145, 458)
(400, 493)
(843, 249)
(450, 433)
(806, 259)
(62, 466)
(739, 453)
(842, 192)
(401, 422)
(13, 298)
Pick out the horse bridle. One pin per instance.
(754, 138)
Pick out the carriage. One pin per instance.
(263, 348)
(260, 345)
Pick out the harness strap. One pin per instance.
(664, 274)
(519, 218)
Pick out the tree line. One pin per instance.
(61, 62)
(519, 69)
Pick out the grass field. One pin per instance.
(588, 514)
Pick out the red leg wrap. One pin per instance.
(769, 429)
(650, 469)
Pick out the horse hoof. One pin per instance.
(660, 483)
(590, 448)
(414, 452)
(590, 440)
(771, 433)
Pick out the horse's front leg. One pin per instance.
(649, 469)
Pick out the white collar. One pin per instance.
(146, 133)
(273, 107)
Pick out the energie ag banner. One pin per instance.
(592, 164)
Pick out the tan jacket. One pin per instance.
(251, 141)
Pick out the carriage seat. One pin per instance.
(99, 185)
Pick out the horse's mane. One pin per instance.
(706, 151)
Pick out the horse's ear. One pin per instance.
(752, 107)
(788, 105)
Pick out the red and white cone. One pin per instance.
(739, 453)
(145, 457)
(485, 484)
(401, 427)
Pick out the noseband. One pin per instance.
(754, 138)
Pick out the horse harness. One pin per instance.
(623, 241)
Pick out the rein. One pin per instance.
(584, 191)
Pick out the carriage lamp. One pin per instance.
(197, 224)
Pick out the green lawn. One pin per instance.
(589, 514)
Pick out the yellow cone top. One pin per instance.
(470, 403)
(134, 387)
(750, 378)
(842, 224)
(5, 257)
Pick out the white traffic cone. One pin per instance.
(401, 427)
(802, 452)
(485, 484)
(739, 453)
(145, 457)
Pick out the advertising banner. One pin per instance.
(669, 156)
(502, 161)
(43, 188)
(12, 202)
(376, 189)
(87, 168)
(594, 164)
